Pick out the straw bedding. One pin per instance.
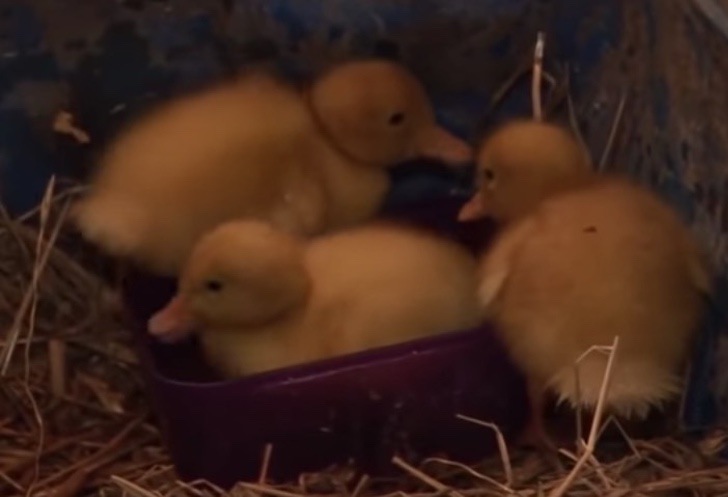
(74, 419)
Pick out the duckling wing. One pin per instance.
(497, 263)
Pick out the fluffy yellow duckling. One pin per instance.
(594, 257)
(520, 164)
(255, 148)
(263, 299)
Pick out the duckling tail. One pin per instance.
(115, 223)
(635, 387)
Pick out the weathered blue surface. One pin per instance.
(105, 60)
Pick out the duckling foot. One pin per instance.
(535, 434)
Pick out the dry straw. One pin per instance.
(73, 420)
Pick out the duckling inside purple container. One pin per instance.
(363, 407)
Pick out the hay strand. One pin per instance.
(30, 296)
(425, 478)
(267, 452)
(537, 76)
(502, 446)
(606, 153)
(57, 362)
(590, 447)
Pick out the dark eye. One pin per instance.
(396, 119)
(488, 175)
(213, 285)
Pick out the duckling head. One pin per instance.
(240, 275)
(521, 164)
(377, 113)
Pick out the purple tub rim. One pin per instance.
(329, 366)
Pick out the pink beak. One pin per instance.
(438, 143)
(172, 323)
(473, 209)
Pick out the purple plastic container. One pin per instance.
(364, 407)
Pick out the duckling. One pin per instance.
(579, 262)
(257, 148)
(520, 164)
(377, 112)
(263, 299)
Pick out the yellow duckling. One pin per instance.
(264, 299)
(593, 257)
(520, 164)
(256, 148)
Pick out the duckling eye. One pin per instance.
(213, 285)
(488, 174)
(396, 119)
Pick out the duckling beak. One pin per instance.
(172, 323)
(473, 209)
(438, 143)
